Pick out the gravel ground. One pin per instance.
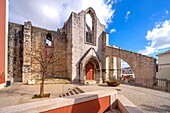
(148, 100)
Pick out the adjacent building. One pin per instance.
(164, 65)
(3, 41)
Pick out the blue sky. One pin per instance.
(141, 26)
(133, 19)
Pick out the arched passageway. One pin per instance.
(142, 66)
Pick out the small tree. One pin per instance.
(43, 58)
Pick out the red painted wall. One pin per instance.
(94, 106)
(2, 39)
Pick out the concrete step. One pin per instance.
(73, 91)
(79, 90)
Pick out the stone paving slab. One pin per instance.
(19, 93)
(148, 100)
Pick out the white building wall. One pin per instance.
(164, 66)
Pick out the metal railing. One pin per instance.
(157, 84)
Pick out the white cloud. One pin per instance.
(149, 43)
(166, 11)
(159, 37)
(103, 9)
(127, 15)
(148, 50)
(52, 14)
(113, 30)
(124, 64)
(89, 21)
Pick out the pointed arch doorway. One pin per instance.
(90, 68)
(89, 71)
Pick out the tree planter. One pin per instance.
(38, 96)
(113, 83)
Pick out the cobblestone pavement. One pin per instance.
(148, 100)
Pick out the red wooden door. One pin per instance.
(89, 71)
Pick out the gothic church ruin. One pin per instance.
(83, 55)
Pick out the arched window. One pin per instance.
(48, 40)
(89, 29)
(90, 26)
(48, 44)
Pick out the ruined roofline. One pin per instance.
(94, 13)
(131, 52)
(85, 11)
(36, 27)
(15, 23)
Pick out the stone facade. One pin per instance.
(82, 51)
(15, 51)
(22, 41)
(77, 45)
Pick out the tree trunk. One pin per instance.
(42, 87)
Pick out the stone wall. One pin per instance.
(15, 49)
(68, 29)
(27, 60)
(23, 40)
(58, 67)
